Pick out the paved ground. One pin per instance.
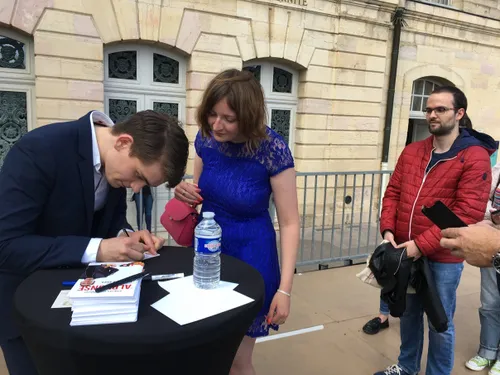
(336, 299)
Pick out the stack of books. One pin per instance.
(119, 304)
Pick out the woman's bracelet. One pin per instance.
(285, 293)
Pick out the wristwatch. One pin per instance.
(496, 262)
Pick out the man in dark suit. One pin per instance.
(63, 201)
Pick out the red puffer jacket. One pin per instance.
(460, 178)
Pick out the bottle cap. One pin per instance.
(208, 215)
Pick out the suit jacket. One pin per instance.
(47, 207)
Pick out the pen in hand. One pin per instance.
(141, 240)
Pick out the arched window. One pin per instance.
(417, 126)
(139, 77)
(17, 94)
(136, 78)
(280, 89)
(422, 89)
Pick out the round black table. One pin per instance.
(153, 345)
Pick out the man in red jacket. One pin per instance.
(453, 166)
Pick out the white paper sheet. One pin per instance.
(186, 285)
(62, 300)
(149, 256)
(186, 303)
(185, 309)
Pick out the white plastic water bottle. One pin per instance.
(207, 247)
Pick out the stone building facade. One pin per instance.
(324, 66)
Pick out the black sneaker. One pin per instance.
(375, 325)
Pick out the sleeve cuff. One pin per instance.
(125, 229)
(90, 254)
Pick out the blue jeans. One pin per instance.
(384, 308)
(147, 207)
(440, 355)
(489, 315)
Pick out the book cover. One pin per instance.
(100, 274)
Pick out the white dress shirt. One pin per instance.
(101, 185)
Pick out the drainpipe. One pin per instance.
(398, 23)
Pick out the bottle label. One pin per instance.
(207, 245)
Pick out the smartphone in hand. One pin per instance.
(442, 216)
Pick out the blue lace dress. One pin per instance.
(235, 185)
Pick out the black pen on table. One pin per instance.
(122, 281)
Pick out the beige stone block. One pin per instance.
(27, 13)
(357, 109)
(198, 81)
(190, 30)
(69, 89)
(305, 55)
(361, 78)
(319, 39)
(65, 109)
(193, 98)
(215, 6)
(68, 23)
(191, 115)
(316, 73)
(332, 137)
(261, 39)
(169, 26)
(360, 62)
(254, 11)
(349, 43)
(306, 165)
(312, 121)
(293, 41)
(362, 124)
(366, 12)
(149, 20)
(127, 17)
(315, 106)
(61, 45)
(211, 63)
(332, 122)
(316, 90)
(277, 40)
(46, 66)
(71, 6)
(150, 2)
(191, 131)
(350, 152)
(193, 23)
(321, 22)
(104, 18)
(357, 93)
(428, 55)
(189, 166)
(6, 10)
(323, 58)
(363, 28)
(225, 45)
(48, 121)
(278, 18)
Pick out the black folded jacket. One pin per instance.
(394, 272)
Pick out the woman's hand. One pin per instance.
(279, 310)
(188, 193)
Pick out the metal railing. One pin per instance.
(339, 214)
